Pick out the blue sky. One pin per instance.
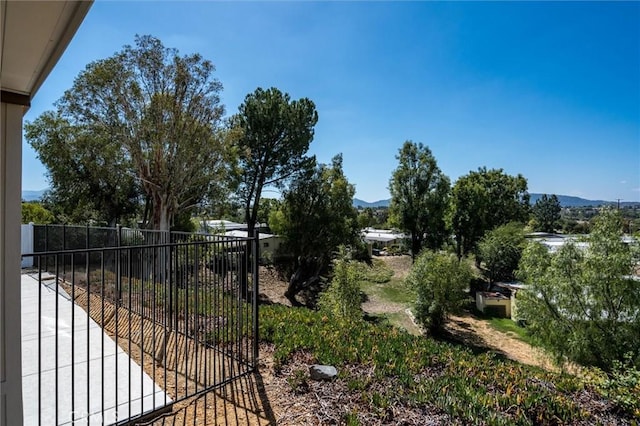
(550, 90)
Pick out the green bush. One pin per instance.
(342, 298)
(623, 386)
(440, 280)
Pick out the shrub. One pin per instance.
(342, 298)
(623, 386)
(440, 280)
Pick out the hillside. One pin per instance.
(565, 201)
(28, 195)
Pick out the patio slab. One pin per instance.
(72, 372)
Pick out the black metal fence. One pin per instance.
(124, 330)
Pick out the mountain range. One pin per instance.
(565, 201)
(28, 195)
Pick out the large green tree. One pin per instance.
(159, 113)
(89, 173)
(499, 251)
(546, 213)
(582, 302)
(275, 133)
(315, 218)
(419, 197)
(483, 200)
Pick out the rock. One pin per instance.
(322, 372)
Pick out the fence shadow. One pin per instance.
(243, 401)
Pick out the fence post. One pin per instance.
(46, 246)
(118, 258)
(256, 268)
(64, 247)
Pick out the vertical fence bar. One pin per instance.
(102, 277)
(88, 293)
(73, 340)
(57, 310)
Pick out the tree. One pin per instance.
(36, 213)
(440, 280)
(419, 197)
(267, 205)
(342, 299)
(546, 212)
(582, 302)
(275, 137)
(500, 250)
(161, 112)
(483, 200)
(366, 218)
(315, 218)
(90, 175)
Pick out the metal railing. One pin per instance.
(123, 332)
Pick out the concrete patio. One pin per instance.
(85, 378)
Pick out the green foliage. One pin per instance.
(275, 133)
(419, 197)
(546, 212)
(440, 280)
(420, 372)
(500, 250)
(484, 200)
(582, 303)
(36, 213)
(623, 385)
(143, 120)
(315, 218)
(341, 300)
(90, 175)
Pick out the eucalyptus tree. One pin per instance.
(89, 173)
(161, 113)
(275, 133)
(419, 197)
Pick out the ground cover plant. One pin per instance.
(384, 370)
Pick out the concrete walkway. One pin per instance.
(85, 378)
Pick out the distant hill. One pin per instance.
(360, 203)
(570, 201)
(32, 195)
(565, 201)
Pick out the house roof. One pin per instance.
(381, 235)
(244, 234)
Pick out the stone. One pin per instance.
(322, 372)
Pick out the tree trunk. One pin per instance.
(305, 276)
